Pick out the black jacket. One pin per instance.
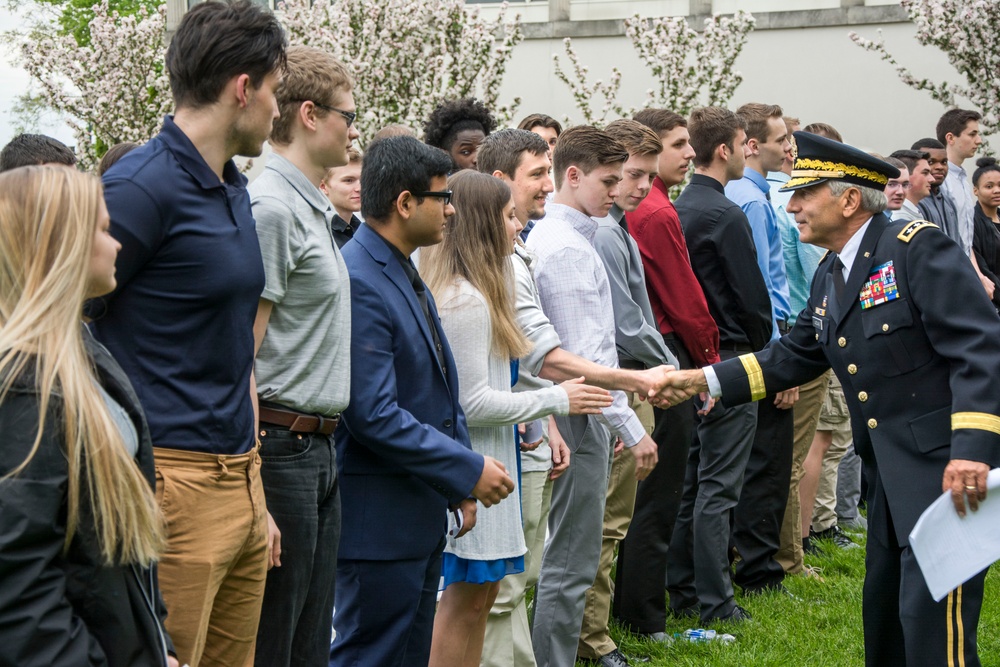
(724, 260)
(67, 609)
(919, 372)
(986, 245)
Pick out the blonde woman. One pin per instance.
(79, 526)
(469, 274)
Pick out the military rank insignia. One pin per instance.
(881, 286)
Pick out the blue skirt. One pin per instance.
(454, 568)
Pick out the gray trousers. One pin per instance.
(849, 486)
(698, 560)
(573, 550)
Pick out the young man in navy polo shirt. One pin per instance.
(181, 322)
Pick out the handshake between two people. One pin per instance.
(669, 386)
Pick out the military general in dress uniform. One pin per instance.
(897, 311)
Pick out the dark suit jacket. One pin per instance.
(919, 372)
(403, 453)
(725, 262)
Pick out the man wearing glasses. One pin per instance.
(303, 354)
(404, 457)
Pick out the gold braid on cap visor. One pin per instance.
(806, 168)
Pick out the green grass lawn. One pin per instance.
(821, 630)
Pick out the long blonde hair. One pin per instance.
(476, 248)
(48, 220)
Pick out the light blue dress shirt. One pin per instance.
(750, 194)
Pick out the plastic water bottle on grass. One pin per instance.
(700, 635)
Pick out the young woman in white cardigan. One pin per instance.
(470, 276)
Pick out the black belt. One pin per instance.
(736, 347)
(299, 422)
(783, 327)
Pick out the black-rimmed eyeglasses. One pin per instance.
(349, 116)
(442, 194)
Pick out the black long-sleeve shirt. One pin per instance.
(725, 262)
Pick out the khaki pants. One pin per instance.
(594, 638)
(836, 418)
(213, 572)
(508, 635)
(806, 409)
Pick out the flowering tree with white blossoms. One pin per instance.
(408, 56)
(113, 89)
(967, 32)
(690, 68)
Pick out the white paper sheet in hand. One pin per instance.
(951, 550)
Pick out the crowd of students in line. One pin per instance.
(233, 412)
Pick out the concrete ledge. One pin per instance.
(807, 18)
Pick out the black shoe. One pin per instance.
(614, 659)
(810, 547)
(738, 615)
(835, 535)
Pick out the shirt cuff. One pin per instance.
(632, 431)
(714, 386)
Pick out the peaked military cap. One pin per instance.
(819, 159)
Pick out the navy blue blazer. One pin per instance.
(403, 452)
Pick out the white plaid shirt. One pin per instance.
(576, 297)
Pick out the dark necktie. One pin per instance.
(421, 290)
(839, 284)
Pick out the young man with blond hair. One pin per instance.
(302, 340)
(342, 186)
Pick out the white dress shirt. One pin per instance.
(957, 186)
(576, 296)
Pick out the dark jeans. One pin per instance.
(761, 509)
(299, 472)
(698, 562)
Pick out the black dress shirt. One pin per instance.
(724, 260)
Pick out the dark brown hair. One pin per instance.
(586, 148)
(503, 151)
(540, 120)
(115, 153)
(711, 127)
(216, 41)
(953, 122)
(660, 120)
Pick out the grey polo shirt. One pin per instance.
(304, 362)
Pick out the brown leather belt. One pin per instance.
(299, 422)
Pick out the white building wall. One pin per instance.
(815, 73)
